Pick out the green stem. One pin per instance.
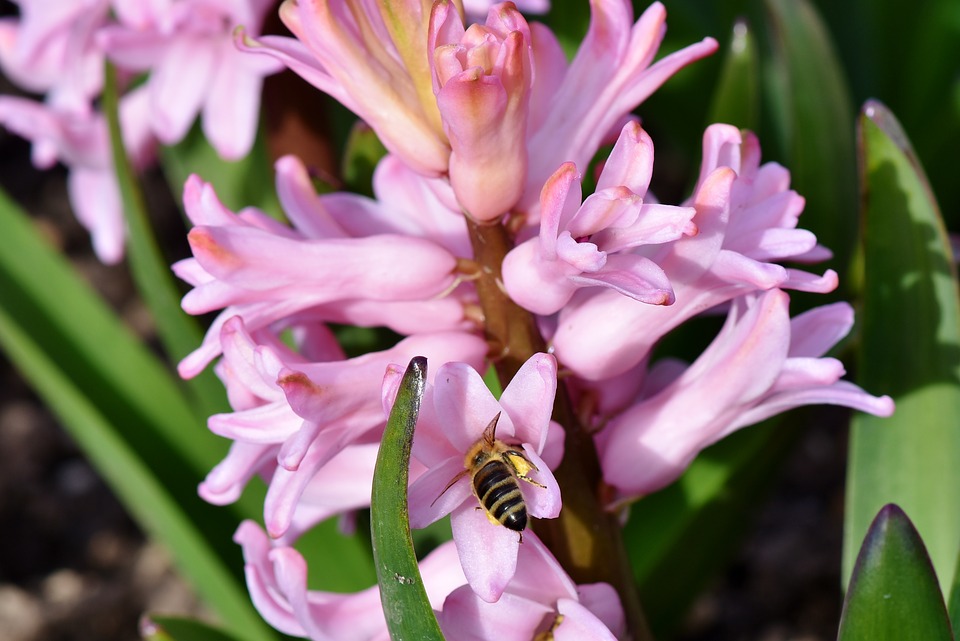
(178, 332)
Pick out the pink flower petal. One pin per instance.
(528, 399)
(430, 499)
(488, 552)
(464, 406)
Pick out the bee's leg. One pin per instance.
(520, 534)
(456, 478)
(529, 480)
(521, 466)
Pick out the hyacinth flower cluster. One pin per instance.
(58, 49)
(479, 249)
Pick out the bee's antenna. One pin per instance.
(490, 432)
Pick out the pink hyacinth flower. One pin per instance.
(540, 599)
(482, 78)
(349, 259)
(50, 49)
(477, 10)
(340, 402)
(760, 364)
(195, 67)
(379, 70)
(81, 142)
(261, 420)
(277, 581)
(592, 245)
(573, 107)
(293, 418)
(747, 218)
(455, 411)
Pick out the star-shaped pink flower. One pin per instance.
(455, 411)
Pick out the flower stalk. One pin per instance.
(585, 538)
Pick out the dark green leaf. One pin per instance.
(953, 603)
(248, 182)
(893, 594)
(124, 409)
(405, 604)
(680, 537)
(736, 100)
(363, 151)
(910, 350)
(814, 114)
(569, 22)
(164, 628)
(335, 562)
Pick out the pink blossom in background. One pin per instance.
(80, 140)
(761, 363)
(747, 218)
(593, 244)
(477, 10)
(454, 412)
(50, 49)
(187, 46)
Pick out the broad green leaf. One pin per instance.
(405, 603)
(812, 106)
(913, 78)
(179, 332)
(736, 100)
(123, 407)
(680, 537)
(953, 601)
(910, 349)
(893, 594)
(166, 628)
(142, 492)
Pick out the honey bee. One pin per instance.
(495, 469)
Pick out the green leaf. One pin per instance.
(569, 22)
(681, 536)
(124, 409)
(248, 182)
(893, 594)
(361, 156)
(910, 349)
(179, 332)
(953, 603)
(165, 628)
(335, 562)
(140, 490)
(405, 603)
(736, 100)
(814, 114)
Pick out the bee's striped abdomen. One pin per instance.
(499, 493)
